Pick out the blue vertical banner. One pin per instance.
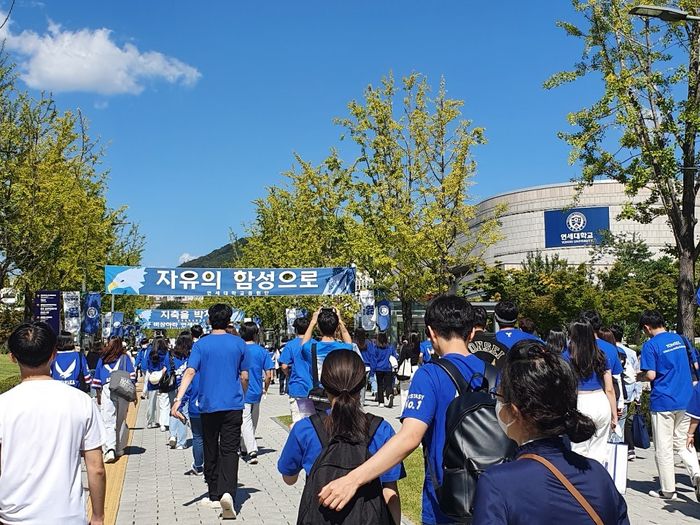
(117, 329)
(91, 319)
(47, 308)
(383, 315)
(575, 226)
(236, 282)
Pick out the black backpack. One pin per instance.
(338, 457)
(474, 442)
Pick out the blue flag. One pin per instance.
(383, 315)
(117, 325)
(91, 321)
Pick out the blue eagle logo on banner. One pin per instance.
(129, 279)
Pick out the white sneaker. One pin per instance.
(172, 442)
(227, 511)
(179, 447)
(206, 502)
(110, 456)
(658, 494)
(381, 405)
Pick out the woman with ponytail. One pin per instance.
(343, 377)
(596, 396)
(536, 406)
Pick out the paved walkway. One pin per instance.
(156, 491)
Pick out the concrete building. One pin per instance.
(552, 220)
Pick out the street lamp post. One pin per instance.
(667, 14)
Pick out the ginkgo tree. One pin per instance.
(642, 129)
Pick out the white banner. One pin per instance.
(71, 313)
(367, 309)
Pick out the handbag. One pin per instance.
(568, 485)
(317, 394)
(405, 371)
(120, 383)
(169, 379)
(616, 465)
(640, 434)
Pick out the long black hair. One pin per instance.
(586, 357)
(343, 377)
(556, 341)
(361, 339)
(382, 340)
(544, 388)
(183, 345)
(411, 349)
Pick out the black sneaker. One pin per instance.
(390, 404)
(253, 458)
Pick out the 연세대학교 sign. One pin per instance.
(575, 226)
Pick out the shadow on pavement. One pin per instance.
(132, 450)
(243, 495)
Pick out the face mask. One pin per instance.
(504, 426)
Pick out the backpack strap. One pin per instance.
(454, 374)
(568, 485)
(314, 364)
(374, 423)
(490, 378)
(693, 371)
(317, 422)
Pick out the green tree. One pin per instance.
(643, 129)
(411, 183)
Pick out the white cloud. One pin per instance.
(101, 104)
(89, 60)
(186, 257)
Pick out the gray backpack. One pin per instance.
(120, 383)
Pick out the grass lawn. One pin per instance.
(410, 488)
(7, 367)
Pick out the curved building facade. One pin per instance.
(553, 219)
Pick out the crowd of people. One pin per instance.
(529, 419)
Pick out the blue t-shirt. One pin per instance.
(68, 366)
(156, 362)
(509, 336)
(613, 355)
(180, 364)
(429, 395)
(381, 357)
(256, 360)
(303, 447)
(323, 348)
(104, 370)
(693, 409)
(300, 381)
(219, 360)
(665, 353)
(592, 382)
(426, 348)
(190, 398)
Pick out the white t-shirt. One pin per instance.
(44, 426)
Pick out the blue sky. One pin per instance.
(202, 104)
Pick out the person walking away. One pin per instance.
(449, 321)
(506, 315)
(279, 373)
(632, 389)
(343, 377)
(409, 359)
(537, 405)
(141, 363)
(189, 400)
(664, 362)
(484, 345)
(114, 408)
(297, 368)
(92, 358)
(45, 428)
(596, 397)
(693, 412)
(383, 369)
(364, 348)
(161, 364)
(426, 350)
(152, 381)
(70, 365)
(218, 360)
(178, 429)
(258, 363)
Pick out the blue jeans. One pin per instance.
(197, 443)
(178, 429)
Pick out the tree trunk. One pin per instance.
(28, 304)
(686, 293)
(407, 315)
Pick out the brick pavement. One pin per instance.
(156, 491)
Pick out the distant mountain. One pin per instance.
(224, 257)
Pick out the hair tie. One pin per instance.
(344, 391)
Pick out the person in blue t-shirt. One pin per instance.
(218, 359)
(449, 320)
(382, 352)
(297, 368)
(343, 377)
(328, 321)
(693, 412)
(506, 315)
(596, 397)
(70, 365)
(536, 407)
(181, 352)
(114, 408)
(160, 363)
(258, 362)
(664, 362)
(426, 351)
(190, 406)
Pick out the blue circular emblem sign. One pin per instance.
(91, 312)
